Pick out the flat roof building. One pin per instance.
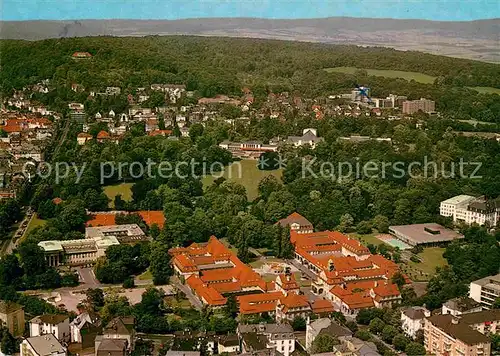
(424, 234)
(485, 290)
(94, 245)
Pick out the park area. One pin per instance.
(246, 173)
(416, 76)
(429, 258)
(34, 223)
(123, 189)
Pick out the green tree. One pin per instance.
(8, 343)
(363, 335)
(160, 266)
(415, 349)
(388, 333)
(346, 222)
(381, 223)
(324, 343)
(299, 324)
(376, 326)
(400, 341)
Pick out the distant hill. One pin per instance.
(477, 40)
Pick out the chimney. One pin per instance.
(454, 320)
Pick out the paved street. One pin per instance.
(302, 269)
(189, 295)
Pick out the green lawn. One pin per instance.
(146, 276)
(487, 90)
(113, 190)
(368, 239)
(35, 222)
(418, 77)
(246, 173)
(431, 257)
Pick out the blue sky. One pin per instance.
(447, 10)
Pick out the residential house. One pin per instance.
(113, 91)
(56, 324)
(324, 326)
(485, 290)
(412, 320)
(42, 345)
(12, 317)
(255, 338)
(461, 305)
(309, 137)
(461, 335)
(292, 305)
(229, 344)
(110, 347)
(297, 223)
(82, 138)
(84, 329)
(355, 347)
(81, 55)
(120, 329)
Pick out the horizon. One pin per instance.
(80, 10)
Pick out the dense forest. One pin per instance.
(223, 66)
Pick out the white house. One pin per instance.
(229, 344)
(56, 324)
(412, 320)
(278, 336)
(461, 305)
(43, 345)
(324, 326)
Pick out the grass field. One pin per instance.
(113, 190)
(368, 239)
(146, 276)
(418, 77)
(431, 257)
(487, 90)
(246, 173)
(35, 222)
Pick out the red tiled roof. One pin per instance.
(211, 296)
(149, 217)
(84, 134)
(287, 282)
(320, 306)
(57, 201)
(258, 303)
(103, 134)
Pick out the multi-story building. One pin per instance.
(255, 338)
(87, 251)
(412, 320)
(347, 273)
(485, 290)
(42, 345)
(56, 324)
(472, 210)
(211, 270)
(414, 106)
(297, 223)
(461, 305)
(12, 317)
(324, 326)
(247, 149)
(462, 335)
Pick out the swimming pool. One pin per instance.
(397, 243)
